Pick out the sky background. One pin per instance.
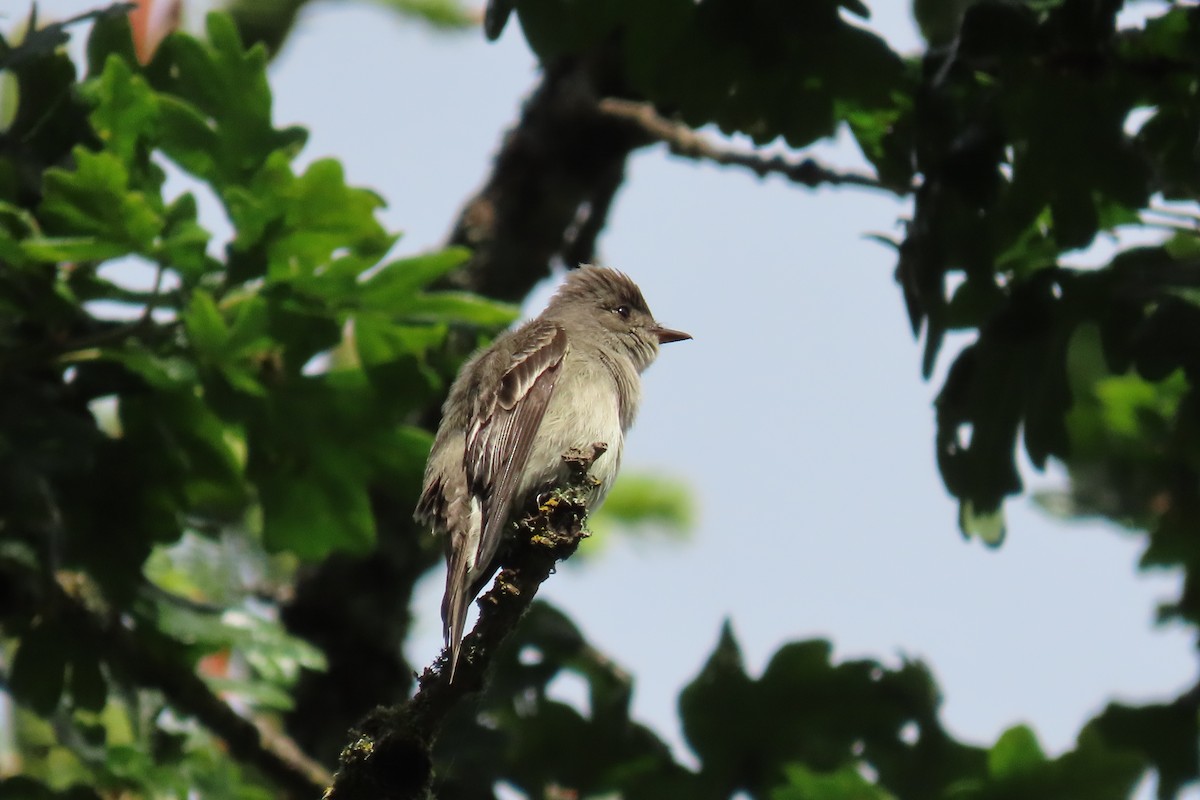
(797, 415)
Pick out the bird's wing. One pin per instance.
(499, 436)
(503, 429)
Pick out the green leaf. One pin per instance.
(186, 452)
(126, 112)
(10, 98)
(646, 500)
(846, 783)
(312, 510)
(397, 281)
(448, 14)
(222, 89)
(805, 709)
(206, 328)
(184, 246)
(400, 457)
(275, 655)
(189, 141)
(1165, 734)
(95, 199)
(232, 349)
(1016, 751)
(89, 690)
(72, 249)
(320, 215)
(111, 36)
(457, 307)
(312, 232)
(716, 710)
(39, 669)
(160, 372)
(254, 692)
(988, 526)
(378, 340)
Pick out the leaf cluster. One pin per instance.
(767, 69)
(807, 727)
(1030, 135)
(171, 395)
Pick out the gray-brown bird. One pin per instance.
(567, 378)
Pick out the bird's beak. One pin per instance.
(666, 335)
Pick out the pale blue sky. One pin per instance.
(797, 415)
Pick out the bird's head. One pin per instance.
(612, 305)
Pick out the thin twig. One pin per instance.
(683, 141)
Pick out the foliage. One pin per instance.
(806, 728)
(236, 408)
(646, 502)
(1027, 133)
(262, 399)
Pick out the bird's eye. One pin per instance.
(622, 312)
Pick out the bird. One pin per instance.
(566, 379)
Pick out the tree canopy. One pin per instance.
(206, 477)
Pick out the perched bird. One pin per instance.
(567, 378)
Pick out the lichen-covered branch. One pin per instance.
(388, 755)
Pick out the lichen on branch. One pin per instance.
(388, 752)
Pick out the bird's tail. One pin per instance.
(460, 563)
(454, 607)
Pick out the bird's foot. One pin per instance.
(580, 459)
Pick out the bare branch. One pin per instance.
(683, 141)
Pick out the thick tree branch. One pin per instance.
(551, 185)
(683, 141)
(389, 751)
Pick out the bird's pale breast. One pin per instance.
(584, 409)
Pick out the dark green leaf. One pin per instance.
(39, 668)
(206, 328)
(89, 690)
(846, 783)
